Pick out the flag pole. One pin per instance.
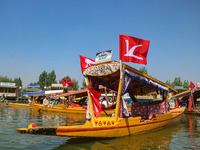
(120, 69)
(119, 93)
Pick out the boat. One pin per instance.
(74, 107)
(21, 105)
(34, 102)
(122, 79)
(188, 99)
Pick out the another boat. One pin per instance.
(72, 107)
(144, 116)
(22, 105)
(188, 99)
(34, 102)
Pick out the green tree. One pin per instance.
(143, 70)
(76, 86)
(83, 84)
(18, 82)
(168, 83)
(186, 84)
(5, 79)
(177, 82)
(51, 78)
(33, 83)
(42, 79)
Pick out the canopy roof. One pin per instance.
(182, 94)
(79, 93)
(43, 93)
(195, 92)
(108, 75)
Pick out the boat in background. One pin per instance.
(77, 104)
(32, 99)
(189, 99)
(144, 117)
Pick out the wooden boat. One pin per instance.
(131, 80)
(188, 99)
(21, 105)
(70, 110)
(77, 109)
(34, 103)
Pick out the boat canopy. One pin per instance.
(134, 81)
(43, 93)
(182, 94)
(80, 93)
(195, 92)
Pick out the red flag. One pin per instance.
(95, 95)
(86, 62)
(192, 86)
(132, 49)
(67, 82)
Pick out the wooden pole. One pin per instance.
(177, 103)
(90, 103)
(190, 103)
(113, 99)
(106, 97)
(118, 94)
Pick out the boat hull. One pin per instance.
(106, 126)
(21, 105)
(71, 110)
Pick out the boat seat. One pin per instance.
(148, 110)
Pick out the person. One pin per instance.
(70, 99)
(46, 102)
(29, 100)
(3, 98)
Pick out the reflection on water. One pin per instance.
(13, 118)
(184, 134)
(188, 136)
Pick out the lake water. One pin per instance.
(182, 135)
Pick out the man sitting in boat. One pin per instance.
(72, 103)
(46, 102)
(30, 100)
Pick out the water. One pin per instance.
(184, 135)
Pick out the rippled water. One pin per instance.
(184, 134)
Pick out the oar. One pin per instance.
(105, 112)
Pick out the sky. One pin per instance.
(37, 36)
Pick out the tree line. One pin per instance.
(177, 80)
(47, 79)
(17, 81)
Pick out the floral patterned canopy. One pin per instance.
(108, 75)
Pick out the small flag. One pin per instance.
(95, 95)
(85, 62)
(192, 86)
(133, 49)
(67, 82)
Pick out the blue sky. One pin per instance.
(50, 35)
